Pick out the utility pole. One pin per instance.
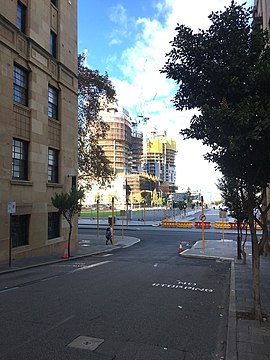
(112, 221)
(202, 222)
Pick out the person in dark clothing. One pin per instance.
(108, 235)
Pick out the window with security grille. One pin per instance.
(20, 85)
(52, 102)
(53, 225)
(19, 230)
(19, 159)
(54, 2)
(21, 17)
(53, 165)
(53, 44)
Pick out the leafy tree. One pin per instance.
(148, 198)
(154, 197)
(160, 201)
(95, 91)
(224, 72)
(234, 195)
(69, 204)
(188, 197)
(138, 198)
(181, 205)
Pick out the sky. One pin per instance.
(129, 40)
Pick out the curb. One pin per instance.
(73, 257)
(206, 257)
(231, 348)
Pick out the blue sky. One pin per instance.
(129, 40)
(108, 27)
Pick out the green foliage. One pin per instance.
(69, 204)
(181, 205)
(225, 73)
(188, 197)
(154, 197)
(95, 91)
(234, 195)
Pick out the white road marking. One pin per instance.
(8, 289)
(50, 278)
(92, 266)
(185, 286)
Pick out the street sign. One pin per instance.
(222, 214)
(202, 217)
(12, 207)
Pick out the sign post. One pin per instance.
(11, 210)
(144, 213)
(222, 215)
(127, 213)
(203, 219)
(122, 223)
(222, 226)
(98, 218)
(112, 221)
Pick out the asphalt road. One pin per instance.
(144, 302)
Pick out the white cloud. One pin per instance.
(118, 15)
(140, 65)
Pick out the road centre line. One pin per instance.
(91, 266)
(8, 289)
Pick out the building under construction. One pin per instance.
(140, 170)
(122, 145)
(160, 158)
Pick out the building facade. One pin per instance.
(262, 13)
(160, 158)
(38, 122)
(117, 142)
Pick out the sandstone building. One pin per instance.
(38, 122)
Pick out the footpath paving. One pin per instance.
(247, 339)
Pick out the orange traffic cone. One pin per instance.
(65, 252)
(180, 247)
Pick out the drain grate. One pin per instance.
(86, 343)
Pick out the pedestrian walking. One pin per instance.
(108, 235)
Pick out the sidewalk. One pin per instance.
(247, 339)
(87, 245)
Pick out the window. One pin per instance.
(21, 17)
(53, 225)
(52, 102)
(54, 2)
(20, 85)
(19, 159)
(52, 165)
(53, 46)
(19, 230)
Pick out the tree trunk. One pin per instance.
(264, 243)
(255, 259)
(239, 241)
(69, 237)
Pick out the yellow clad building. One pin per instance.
(160, 158)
